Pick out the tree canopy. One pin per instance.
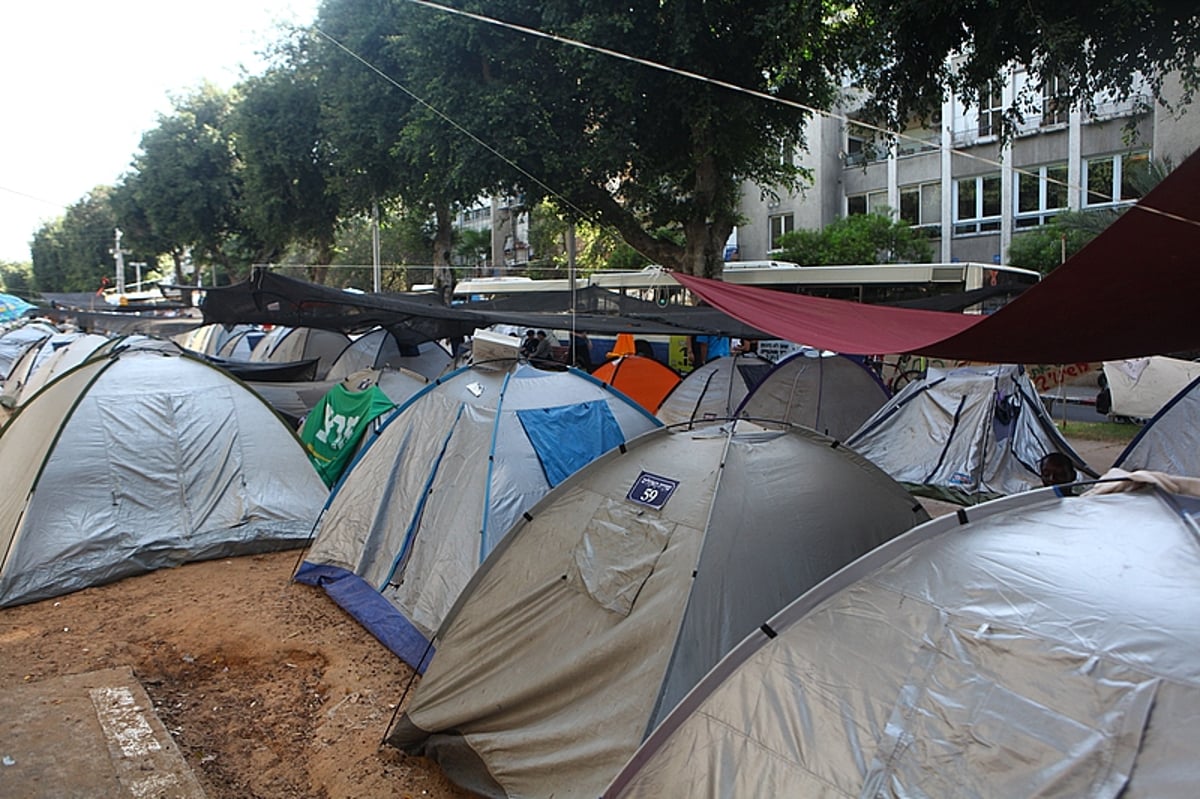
(857, 239)
(644, 119)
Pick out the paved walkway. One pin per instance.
(88, 736)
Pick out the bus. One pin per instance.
(867, 283)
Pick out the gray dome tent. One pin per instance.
(378, 349)
(967, 434)
(295, 344)
(830, 393)
(1170, 442)
(1037, 645)
(714, 390)
(447, 476)
(164, 459)
(616, 593)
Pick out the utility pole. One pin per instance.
(376, 267)
(119, 257)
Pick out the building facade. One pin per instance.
(971, 192)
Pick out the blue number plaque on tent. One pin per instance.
(650, 489)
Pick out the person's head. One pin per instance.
(528, 334)
(1056, 469)
(541, 334)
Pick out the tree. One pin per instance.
(914, 50)
(17, 278)
(184, 180)
(618, 144)
(74, 253)
(285, 197)
(857, 239)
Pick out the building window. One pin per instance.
(921, 205)
(1109, 180)
(1041, 194)
(1056, 106)
(977, 205)
(780, 224)
(874, 202)
(991, 110)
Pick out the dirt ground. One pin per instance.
(269, 689)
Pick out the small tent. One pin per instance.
(46, 361)
(714, 390)
(832, 394)
(966, 435)
(1038, 645)
(1169, 442)
(447, 476)
(240, 345)
(15, 342)
(616, 593)
(378, 349)
(140, 460)
(13, 308)
(295, 344)
(209, 339)
(644, 380)
(295, 399)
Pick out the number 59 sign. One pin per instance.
(652, 490)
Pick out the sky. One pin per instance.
(84, 79)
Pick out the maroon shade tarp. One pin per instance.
(1133, 291)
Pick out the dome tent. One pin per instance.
(165, 459)
(1026, 647)
(621, 588)
(1169, 442)
(714, 390)
(15, 342)
(644, 380)
(378, 349)
(830, 393)
(296, 344)
(446, 477)
(965, 435)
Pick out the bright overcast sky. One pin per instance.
(84, 79)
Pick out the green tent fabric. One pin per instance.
(333, 428)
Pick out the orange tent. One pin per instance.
(644, 380)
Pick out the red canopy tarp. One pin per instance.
(1133, 291)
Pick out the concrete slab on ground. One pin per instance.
(92, 735)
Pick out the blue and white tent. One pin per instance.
(12, 308)
(450, 472)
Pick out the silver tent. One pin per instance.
(966, 435)
(143, 459)
(830, 393)
(715, 390)
(1170, 442)
(618, 591)
(378, 349)
(1038, 645)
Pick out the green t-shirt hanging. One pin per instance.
(333, 428)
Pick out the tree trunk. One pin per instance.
(443, 243)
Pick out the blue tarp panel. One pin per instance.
(371, 610)
(570, 437)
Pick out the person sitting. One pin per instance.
(1056, 469)
(529, 344)
(543, 350)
